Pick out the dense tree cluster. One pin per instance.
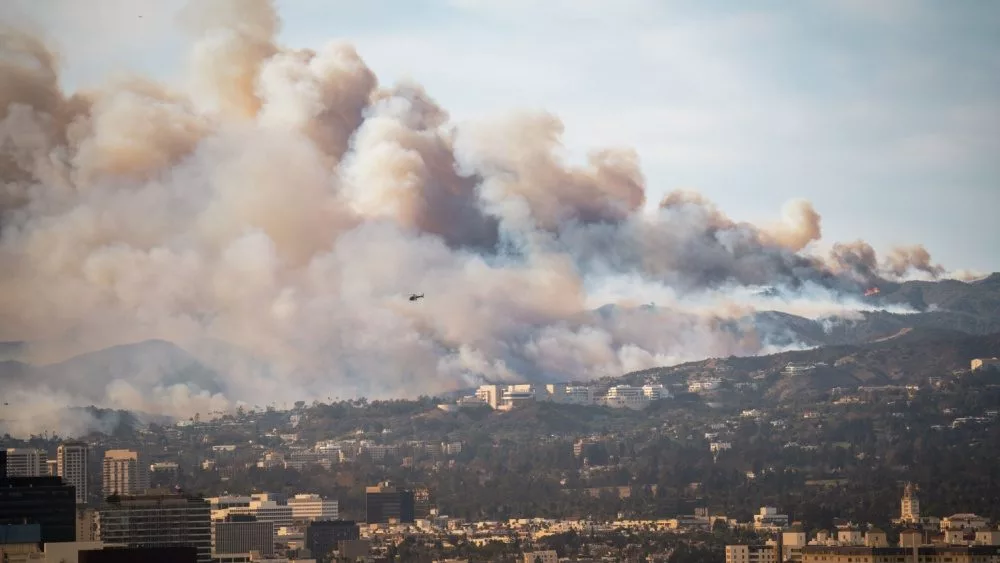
(816, 460)
(842, 461)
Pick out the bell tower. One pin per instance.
(909, 509)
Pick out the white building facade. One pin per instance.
(71, 460)
(508, 397)
(26, 462)
(312, 507)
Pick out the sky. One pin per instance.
(886, 115)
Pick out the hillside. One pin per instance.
(979, 298)
(420, 418)
(949, 305)
(908, 357)
(782, 329)
(957, 321)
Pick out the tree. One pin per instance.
(720, 527)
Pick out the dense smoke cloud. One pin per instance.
(272, 218)
(859, 260)
(902, 260)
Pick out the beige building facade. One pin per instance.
(124, 473)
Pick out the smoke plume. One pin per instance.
(902, 260)
(271, 217)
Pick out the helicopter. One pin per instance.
(415, 296)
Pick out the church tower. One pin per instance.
(909, 510)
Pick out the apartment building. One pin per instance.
(72, 466)
(26, 462)
(124, 473)
(767, 553)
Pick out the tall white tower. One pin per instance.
(71, 458)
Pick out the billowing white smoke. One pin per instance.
(273, 218)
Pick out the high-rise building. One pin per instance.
(155, 520)
(311, 507)
(45, 501)
(124, 473)
(71, 458)
(386, 503)
(52, 468)
(26, 462)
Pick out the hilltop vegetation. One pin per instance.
(909, 357)
(843, 460)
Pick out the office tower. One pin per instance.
(265, 507)
(72, 467)
(237, 535)
(45, 501)
(26, 462)
(310, 507)
(52, 468)
(124, 473)
(386, 503)
(158, 521)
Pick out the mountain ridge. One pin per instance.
(908, 359)
(959, 319)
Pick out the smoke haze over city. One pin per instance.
(272, 213)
